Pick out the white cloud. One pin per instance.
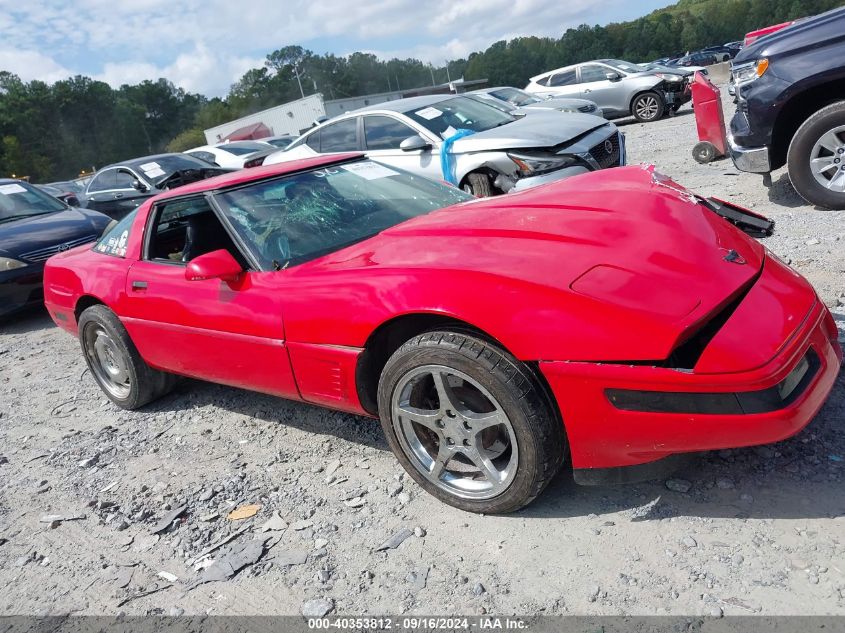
(29, 65)
(205, 45)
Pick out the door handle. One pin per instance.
(118, 196)
(588, 90)
(139, 285)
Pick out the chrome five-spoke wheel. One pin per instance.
(454, 432)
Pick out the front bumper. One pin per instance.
(750, 159)
(21, 288)
(602, 435)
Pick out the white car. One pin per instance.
(232, 155)
(468, 142)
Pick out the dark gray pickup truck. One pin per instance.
(790, 89)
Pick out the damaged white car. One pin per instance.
(467, 142)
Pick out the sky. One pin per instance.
(206, 45)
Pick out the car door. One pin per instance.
(111, 192)
(382, 136)
(226, 332)
(595, 86)
(563, 83)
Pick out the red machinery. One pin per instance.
(709, 119)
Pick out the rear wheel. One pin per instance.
(469, 422)
(816, 158)
(115, 363)
(648, 106)
(478, 185)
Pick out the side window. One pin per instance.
(313, 141)
(182, 230)
(113, 242)
(206, 156)
(593, 73)
(340, 137)
(543, 81)
(565, 78)
(123, 179)
(103, 181)
(384, 132)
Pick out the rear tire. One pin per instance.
(816, 158)
(478, 185)
(647, 107)
(469, 422)
(115, 362)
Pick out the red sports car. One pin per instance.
(613, 319)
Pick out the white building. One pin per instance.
(292, 118)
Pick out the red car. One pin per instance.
(753, 36)
(613, 319)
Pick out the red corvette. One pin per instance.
(614, 319)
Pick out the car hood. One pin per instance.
(683, 71)
(541, 129)
(626, 245)
(557, 102)
(803, 35)
(29, 235)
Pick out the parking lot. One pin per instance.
(339, 528)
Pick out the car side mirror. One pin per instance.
(214, 265)
(137, 184)
(414, 143)
(72, 201)
(613, 76)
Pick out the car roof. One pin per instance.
(255, 174)
(405, 105)
(134, 162)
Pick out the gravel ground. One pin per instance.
(104, 511)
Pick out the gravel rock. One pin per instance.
(317, 608)
(678, 485)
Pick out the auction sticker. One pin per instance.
(152, 170)
(370, 171)
(12, 188)
(428, 113)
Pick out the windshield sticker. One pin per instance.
(115, 245)
(370, 171)
(428, 113)
(152, 170)
(12, 188)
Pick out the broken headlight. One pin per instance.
(7, 263)
(669, 77)
(536, 164)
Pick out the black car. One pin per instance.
(64, 194)
(695, 59)
(790, 90)
(721, 53)
(34, 226)
(119, 189)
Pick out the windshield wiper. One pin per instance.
(22, 217)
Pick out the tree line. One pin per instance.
(51, 132)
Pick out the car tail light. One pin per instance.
(255, 162)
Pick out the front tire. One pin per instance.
(478, 185)
(115, 362)
(816, 158)
(469, 422)
(647, 107)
